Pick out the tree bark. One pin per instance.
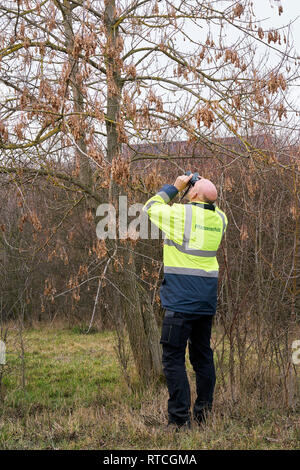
(85, 169)
(140, 321)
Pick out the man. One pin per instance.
(188, 292)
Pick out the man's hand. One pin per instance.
(182, 181)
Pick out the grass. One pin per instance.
(75, 397)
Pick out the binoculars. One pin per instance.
(194, 178)
(192, 182)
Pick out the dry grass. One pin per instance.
(76, 398)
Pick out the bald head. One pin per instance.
(204, 190)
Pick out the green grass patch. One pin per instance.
(75, 397)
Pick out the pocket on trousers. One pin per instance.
(171, 331)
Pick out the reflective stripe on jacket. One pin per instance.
(192, 233)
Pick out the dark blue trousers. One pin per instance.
(195, 329)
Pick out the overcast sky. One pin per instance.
(291, 12)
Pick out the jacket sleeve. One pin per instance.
(170, 219)
(224, 219)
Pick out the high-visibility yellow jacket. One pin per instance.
(192, 234)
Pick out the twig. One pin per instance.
(98, 291)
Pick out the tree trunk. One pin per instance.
(85, 170)
(140, 321)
